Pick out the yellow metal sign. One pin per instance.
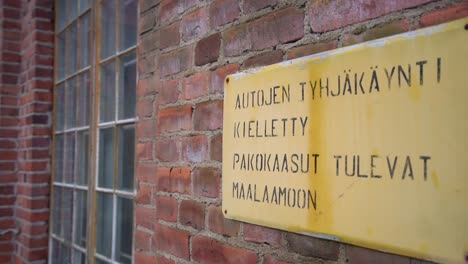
(366, 144)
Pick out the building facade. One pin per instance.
(111, 116)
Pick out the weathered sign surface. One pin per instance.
(366, 144)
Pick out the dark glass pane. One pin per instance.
(80, 217)
(56, 211)
(58, 161)
(124, 229)
(59, 107)
(60, 56)
(82, 157)
(78, 257)
(70, 92)
(83, 99)
(104, 212)
(107, 98)
(61, 14)
(127, 87)
(107, 28)
(71, 50)
(67, 213)
(85, 35)
(126, 151)
(106, 158)
(69, 161)
(128, 24)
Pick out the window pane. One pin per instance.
(84, 4)
(58, 161)
(128, 23)
(78, 257)
(60, 252)
(126, 151)
(85, 33)
(56, 211)
(83, 99)
(61, 14)
(107, 98)
(72, 9)
(80, 218)
(71, 103)
(82, 158)
(127, 87)
(67, 213)
(60, 56)
(107, 28)
(71, 49)
(59, 107)
(124, 229)
(69, 157)
(106, 158)
(104, 213)
(99, 261)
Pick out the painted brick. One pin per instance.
(255, 5)
(175, 118)
(170, 35)
(173, 180)
(195, 148)
(206, 181)
(381, 31)
(218, 75)
(208, 250)
(330, 15)
(207, 49)
(267, 58)
(192, 213)
(194, 24)
(167, 150)
(175, 61)
(218, 224)
(310, 49)
(223, 12)
(195, 85)
(208, 115)
(166, 207)
(260, 234)
(172, 241)
(313, 247)
(363, 255)
(444, 15)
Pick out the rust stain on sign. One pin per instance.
(365, 144)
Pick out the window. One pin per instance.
(94, 131)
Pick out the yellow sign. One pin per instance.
(365, 144)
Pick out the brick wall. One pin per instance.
(186, 48)
(26, 46)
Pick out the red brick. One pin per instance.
(175, 61)
(146, 172)
(195, 85)
(145, 216)
(163, 260)
(310, 49)
(218, 224)
(174, 180)
(255, 5)
(206, 182)
(170, 35)
(146, 22)
(282, 26)
(272, 260)
(194, 24)
(142, 257)
(444, 15)
(267, 58)
(145, 108)
(208, 115)
(149, 42)
(364, 255)
(192, 213)
(167, 150)
(31, 216)
(148, 86)
(207, 49)
(216, 147)
(223, 12)
(168, 92)
(145, 128)
(166, 207)
(217, 77)
(195, 148)
(313, 247)
(142, 240)
(330, 15)
(170, 9)
(262, 234)
(172, 241)
(143, 195)
(147, 63)
(175, 118)
(380, 31)
(210, 251)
